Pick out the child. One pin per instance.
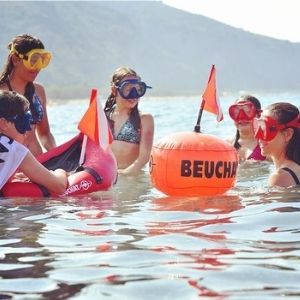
(132, 129)
(25, 60)
(15, 122)
(245, 109)
(278, 133)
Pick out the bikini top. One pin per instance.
(127, 133)
(256, 154)
(36, 106)
(37, 109)
(292, 173)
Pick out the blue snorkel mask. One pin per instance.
(22, 122)
(132, 88)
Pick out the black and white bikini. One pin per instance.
(128, 133)
(292, 173)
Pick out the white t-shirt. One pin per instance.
(12, 154)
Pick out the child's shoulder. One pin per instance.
(146, 117)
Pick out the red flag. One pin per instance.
(94, 123)
(211, 101)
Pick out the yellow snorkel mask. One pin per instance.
(35, 59)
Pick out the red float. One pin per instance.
(97, 173)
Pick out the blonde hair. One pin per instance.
(120, 74)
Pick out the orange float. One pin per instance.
(193, 164)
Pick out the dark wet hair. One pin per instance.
(23, 43)
(12, 104)
(110, 103)
(283, 113)
(257, 104)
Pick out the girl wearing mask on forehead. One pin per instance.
(15, 123)
(132, 129)
(278, 133)
(245, 109)
(25, 60)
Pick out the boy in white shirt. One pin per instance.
(15, 121)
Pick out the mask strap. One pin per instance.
(293, 123)
(14, 51)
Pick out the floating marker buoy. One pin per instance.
(193, 164)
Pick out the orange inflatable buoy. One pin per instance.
(193, 164)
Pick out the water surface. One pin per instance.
(133, 242)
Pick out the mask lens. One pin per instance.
(259, 128)
(23, 122)
(242, 111)
(132, 89)
(37, 59)
(249, 110)
(45, 58)
(265, 129)
(33, 59)
(141, 88)
(126, 88)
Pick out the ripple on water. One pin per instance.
(133, 242)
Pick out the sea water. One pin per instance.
(133, 242)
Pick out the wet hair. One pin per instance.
(257, 105)
(22, 43)
(283, 113)
(12, 104)
(110, 103)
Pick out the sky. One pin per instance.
(274, 18)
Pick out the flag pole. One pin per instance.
(93, 95)
(197, 128)
(205, 97)
(83, 150)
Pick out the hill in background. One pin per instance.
(171, 49)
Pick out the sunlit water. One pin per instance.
(132, 242)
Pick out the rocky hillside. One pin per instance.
(171, 49)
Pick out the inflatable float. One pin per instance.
(193, 164)
(91, 165)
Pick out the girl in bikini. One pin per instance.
(278, 133)
(132, 129)
(25, 60)
(245, 109)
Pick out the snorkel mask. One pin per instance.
(132, 88)
(22, 122)
(243, 111)
(35, 59)
(266, 128)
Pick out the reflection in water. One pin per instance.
(134, 243)
(212, 211)
(211, 208)
(216, 205)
